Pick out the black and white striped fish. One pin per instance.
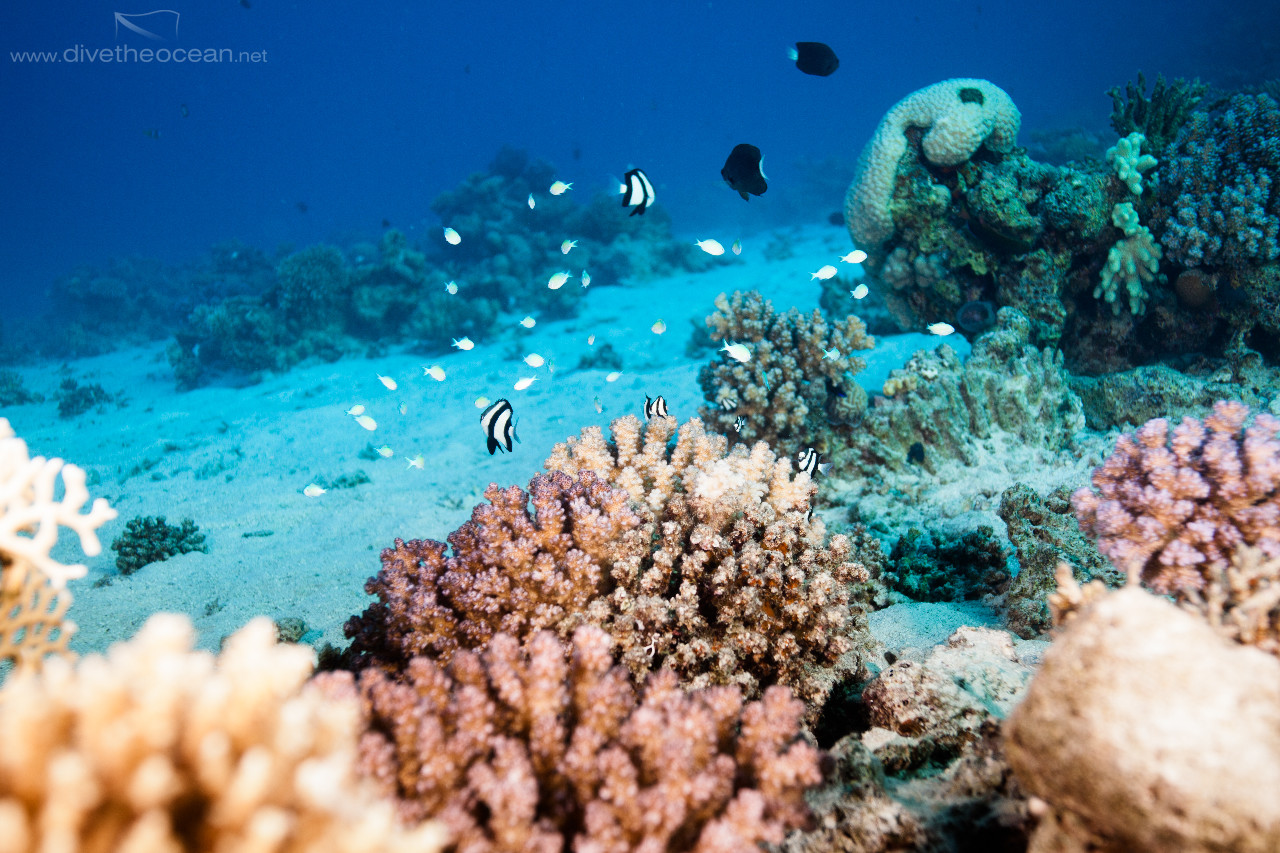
(499, 426)
(654, 408)
(807, 461)
(637, 192)
(739, 423)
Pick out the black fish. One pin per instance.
(814, 57)
(637, 192)
(915, 453)
(743, 171)
(498, 425)
(808, 462)
(654, 408)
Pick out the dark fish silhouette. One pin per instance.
(814, 57)
(743, 171)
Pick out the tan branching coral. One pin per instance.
(797, 390)
(33, 595)
(155, 748)
(739, 585)
(550, 747)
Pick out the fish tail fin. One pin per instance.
(824, 468)
(793, 54)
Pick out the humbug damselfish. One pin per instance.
(498, 425)
(637, 192)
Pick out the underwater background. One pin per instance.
(872, 485)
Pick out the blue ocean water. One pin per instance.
(343, 115)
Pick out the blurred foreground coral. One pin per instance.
(156, 747)
(550, 747)
(33, 594)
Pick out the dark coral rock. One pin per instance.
(603, 357)
(1044, 532)
(76, 399)
(148, 539)
(289, 629)
(12, 391)
(927, 570)
(1158, 116)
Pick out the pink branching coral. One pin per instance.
(512, 570)
(798, 388)
(550, 747)
(1172, 508)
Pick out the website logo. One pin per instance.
(160, 25)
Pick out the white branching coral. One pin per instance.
(30, 512)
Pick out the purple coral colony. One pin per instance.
(719, 631)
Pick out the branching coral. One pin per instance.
(704, 561)
(158, 748)
(548, 747)
(512, 570)
(33, 594)
(1132, 262)
(1171, 507)
(1157, 116)
(798, 389)
(149, 540)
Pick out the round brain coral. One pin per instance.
(958, 115)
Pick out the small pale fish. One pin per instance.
(831, 354)
(435, 371)
(314, 491)
(356, 410)
(560, 187)
(739, 423)
(367, 422)
(416, 462)
(464, 344)
(386, 452)
(860, 292)
(737, 247)
(591, 340)
(404, 408)
(599, 405)
(557, 281)
(586, 279)
(808, 461)
(711, 247)
(658, 327)
(452, 237)
(532, 203)
(567, 246)
(387, 381)
(823, 274)
(524, 382)
(737, 352)
(528, 322)
(482, 401)
(534, 360)
(857, 256)
(655, 408)
(613, 377)
(941, 329)
(451, 288)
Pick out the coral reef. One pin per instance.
(1242, 601)
(311, 287)
(157, 747)
(960, 116)
(550, 747)
(75, 399)
(797, 390)
(1044, 533)
(702, 561)
(1219, 196)
(1158, 116)
(12, 391)
(149, 540)
(963, 569)
(1145, 731)
(1171, 506)
(1130, 163)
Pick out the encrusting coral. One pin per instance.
(550, 747)
(1171, 506)
(156, 747)
(797, 390)
(694, 557)
(33, 594)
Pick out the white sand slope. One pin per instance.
(236, 460)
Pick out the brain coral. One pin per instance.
(959, 116)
